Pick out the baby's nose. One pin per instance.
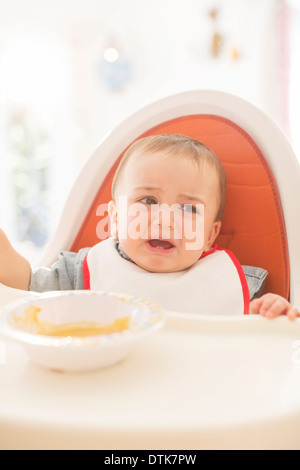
(163, 220)
(162, 214)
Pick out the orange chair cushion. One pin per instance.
(253, 225)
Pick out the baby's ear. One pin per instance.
(214, 232)
(113, 216)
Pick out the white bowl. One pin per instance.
(73, 330)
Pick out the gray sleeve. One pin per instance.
(256, 278)
(64, 274)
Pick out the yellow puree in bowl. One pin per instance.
(31, 323)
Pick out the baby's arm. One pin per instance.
(273, 305)
(15, 270)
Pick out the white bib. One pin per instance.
(214, 285)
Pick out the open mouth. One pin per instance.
(161, 246)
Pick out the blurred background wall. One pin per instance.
(71, 70)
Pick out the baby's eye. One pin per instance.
(189, 208)
(148, 200)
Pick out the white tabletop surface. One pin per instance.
(199, 383)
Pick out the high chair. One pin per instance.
(234, 382)
(262, 218)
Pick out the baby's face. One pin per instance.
(164, 212)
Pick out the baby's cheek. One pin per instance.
(193, 234)
(137, 222)
(191, 255)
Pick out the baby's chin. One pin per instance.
(162, 267)
(156, 261)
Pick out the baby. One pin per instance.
(168, 198)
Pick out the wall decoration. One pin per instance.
(220, 44)
(217, 39)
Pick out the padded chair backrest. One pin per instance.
(253, 226)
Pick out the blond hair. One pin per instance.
(181, 145)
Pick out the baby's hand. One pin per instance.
(273, 305)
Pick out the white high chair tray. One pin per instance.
(199, 383)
